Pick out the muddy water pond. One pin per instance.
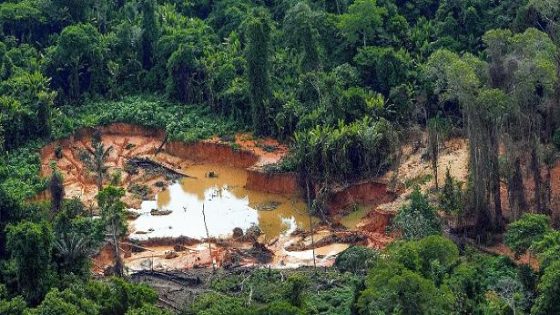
(227, 205)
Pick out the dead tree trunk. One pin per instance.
(516, 192)
(495, 180)
(535, 169)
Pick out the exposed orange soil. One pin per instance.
(369, 192)
(413, 168)
(268, 150)
(130, 141)
(277, 183)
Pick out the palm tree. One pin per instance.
(73, 248)
(96, 159)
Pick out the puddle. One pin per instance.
(227, 205)
(351, 220)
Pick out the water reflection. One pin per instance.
(227, 205)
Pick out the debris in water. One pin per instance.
(160, 212)
(237, 232)
(268, 206)
(150, 166)
(252, 233)
(212, 174)
(131, 215)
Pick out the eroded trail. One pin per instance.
(253, 217)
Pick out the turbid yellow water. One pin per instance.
(351, 220)
(227, 205)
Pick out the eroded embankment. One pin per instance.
(129, 141)
(147, 164)
(370, 192)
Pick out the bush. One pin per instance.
(547, 248)
(148, 309)
(451, 198)
(393, 289)
(280, 308)
(437, 256)
(418, 219)
(182, 122)
(347, 152)
(219, 304)
(549, 291)
(530, 228)
(297, 284)
(356, 259)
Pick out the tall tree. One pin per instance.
(492, 106)
(30, 245)
(437, 130)
(459, 79)
(524, 66)
(150, 32)
(75, 62)
(383, 68)
(71, 10)
(113, 214)
(10, 211)
(184, 70)
(257, 33)
(361, 21)
(302, 34)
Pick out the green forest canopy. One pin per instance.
(342, 81)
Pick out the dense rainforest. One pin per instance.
(347, 84)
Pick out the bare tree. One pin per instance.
(437, 131)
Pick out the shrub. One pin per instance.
(356, 259)
(219, 304)
(346, 152)
(280, 308)
(530, 228)
(451, 197)
(418, 219)
(437, 256)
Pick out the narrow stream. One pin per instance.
(227, 205)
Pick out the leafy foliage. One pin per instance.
(451, 198)
(347, 152)
(356, 259)
(340, 81)
(30, 245)
(418, 219)
(522, 233)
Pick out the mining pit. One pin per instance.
(212, 202)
